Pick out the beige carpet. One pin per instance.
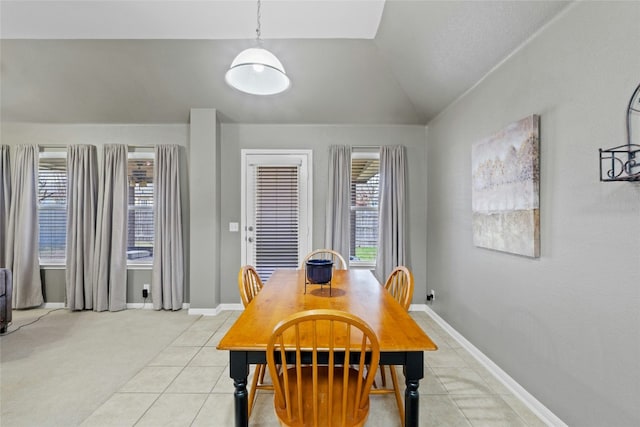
(58, 370)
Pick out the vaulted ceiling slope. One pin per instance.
(425, 54)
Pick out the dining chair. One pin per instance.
(250, 284)
(338, 260)
(332, 393)
(400, 285)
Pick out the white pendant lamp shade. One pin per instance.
(258, 72)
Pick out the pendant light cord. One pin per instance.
(258, 30)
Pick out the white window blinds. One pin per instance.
(52, 207)
(140, 210)
(277, 218)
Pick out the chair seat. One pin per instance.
(324, 418)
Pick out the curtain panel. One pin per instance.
(22, 236)
(109, 267)
(167, 280)
(82, 196)
(391, 228)
(5, 201)
(338, 216)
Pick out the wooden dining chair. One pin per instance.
(250, 284)
(339, 262)
(328, 394)
(400, 285)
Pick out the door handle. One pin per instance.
(249, 239)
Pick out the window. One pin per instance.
(52, 207)
(140, 210)
(365, 177)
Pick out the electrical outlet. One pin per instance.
(431, 295)
(146, 289)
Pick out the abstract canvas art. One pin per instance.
(506, 187)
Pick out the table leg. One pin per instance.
(414, 372)
(239, 371)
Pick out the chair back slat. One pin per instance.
(299, 375)
(314, 361)
(345, 377)
(283, 396)
(331, 362)
(361, 368)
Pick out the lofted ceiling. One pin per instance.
(350, 62)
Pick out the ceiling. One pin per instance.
(350, 62)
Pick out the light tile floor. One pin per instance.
(188, 384)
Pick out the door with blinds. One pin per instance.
(276, 209)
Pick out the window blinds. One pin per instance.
(140, 210)
(277, 218)
(52, 208)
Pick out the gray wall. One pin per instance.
(566, 326)
(204, 180)
(318, 138)
(100, 134)
(211, 192)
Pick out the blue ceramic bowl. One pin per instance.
(319, 271)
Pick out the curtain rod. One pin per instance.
(365, 147)
(66, 146)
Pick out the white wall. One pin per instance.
(566, 326)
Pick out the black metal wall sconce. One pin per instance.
(622, 163)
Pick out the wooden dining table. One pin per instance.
(402, 341)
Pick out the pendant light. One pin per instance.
(257, 71)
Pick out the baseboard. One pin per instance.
(217, 310)
(140, 305)
(53, 305)
(148, 305)
(231, 307)
(418, 307)
(130, 305)
(530, 401)
(204, 311)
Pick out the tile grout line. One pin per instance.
(200, 348)
(163, 392)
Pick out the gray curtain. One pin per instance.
(167, 281)
(338, 226)
(82, 194)
(5, 201)
(109, 267)
(391, 226)
(22, 235)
